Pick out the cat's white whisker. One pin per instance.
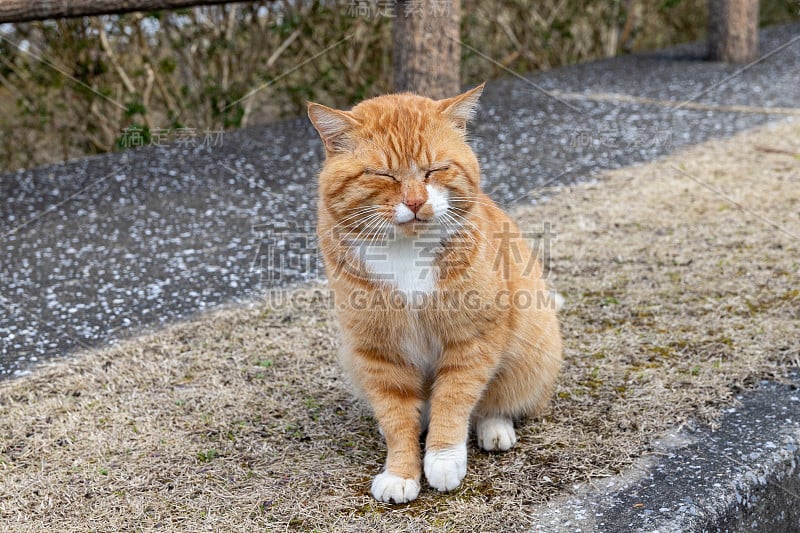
(361, 207)
(460, 229)
(364, 223)
(477, 230)
(378, 232)
(368, 223)
(362, 212)
(476, 200)
(469, 213)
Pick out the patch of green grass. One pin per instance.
(295, 432)
(370, 508)
(313, 407)
(207, 455)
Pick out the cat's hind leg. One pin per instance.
(522, 386)
(495, 433)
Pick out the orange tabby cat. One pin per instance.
(446, 319)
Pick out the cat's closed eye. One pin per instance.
(382, 174)
(429, 173)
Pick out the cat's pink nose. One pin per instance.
(414, 203)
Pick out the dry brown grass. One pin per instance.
(240, 421)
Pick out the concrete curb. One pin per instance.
(742, 476)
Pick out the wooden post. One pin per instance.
(425, 49)
(733, 30)
(25, 10)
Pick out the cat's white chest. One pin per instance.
(406, 264)
(409, 266)
(420, 347)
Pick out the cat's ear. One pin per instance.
(460, 109)
(334, 127)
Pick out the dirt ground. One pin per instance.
(681, 286)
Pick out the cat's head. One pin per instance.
(397, 162)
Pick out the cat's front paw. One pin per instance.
(445, 468)
(496, 434)
(391, 488)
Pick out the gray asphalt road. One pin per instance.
(98, 248)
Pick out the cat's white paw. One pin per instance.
(390, 488)
(445, 468)
(496, 434)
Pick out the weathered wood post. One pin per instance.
(426, 51)
(733, 30)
